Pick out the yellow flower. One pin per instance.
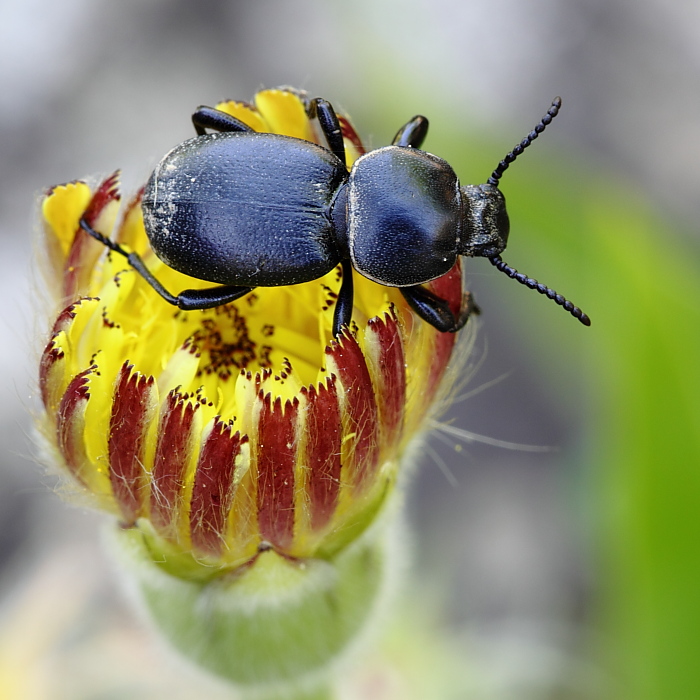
(224, 433)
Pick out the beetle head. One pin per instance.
(485, 223)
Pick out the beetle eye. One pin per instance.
(502, 223)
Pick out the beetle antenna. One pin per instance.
(498, 263)
(503, 165)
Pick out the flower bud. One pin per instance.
(241, 446)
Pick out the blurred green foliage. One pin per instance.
(593, 237)
(641, 283)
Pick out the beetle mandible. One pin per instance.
(247, 209)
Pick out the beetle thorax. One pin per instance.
(404, 218)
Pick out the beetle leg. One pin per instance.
(191, 299)
(343, 305)
(436, 311)
(134, 259)
(187, 300)
(210, 118)
(412, 134)
(468, 309)
(330, 126)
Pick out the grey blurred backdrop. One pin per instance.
(87, 86)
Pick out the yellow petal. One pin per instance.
(247, 114)
(62, 209)
(284, 112)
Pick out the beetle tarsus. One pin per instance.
(102, 239)
(469, 309)
(137, 263)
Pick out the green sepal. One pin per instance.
(279, 627)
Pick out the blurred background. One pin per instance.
(570, 572)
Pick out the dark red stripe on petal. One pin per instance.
(52, 364)
(359, 405)
(67, 316)
(107, 192)
(448, 287)
(324, 432)
(213, 490)
(391, 375)
(349, 133)
(133, 394)
(85, 250)
(49, 373)
(276, 457)
(130, 231)
(70, 426)
(173, 452)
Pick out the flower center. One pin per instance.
(225, 346)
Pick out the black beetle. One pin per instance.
(247, 209)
